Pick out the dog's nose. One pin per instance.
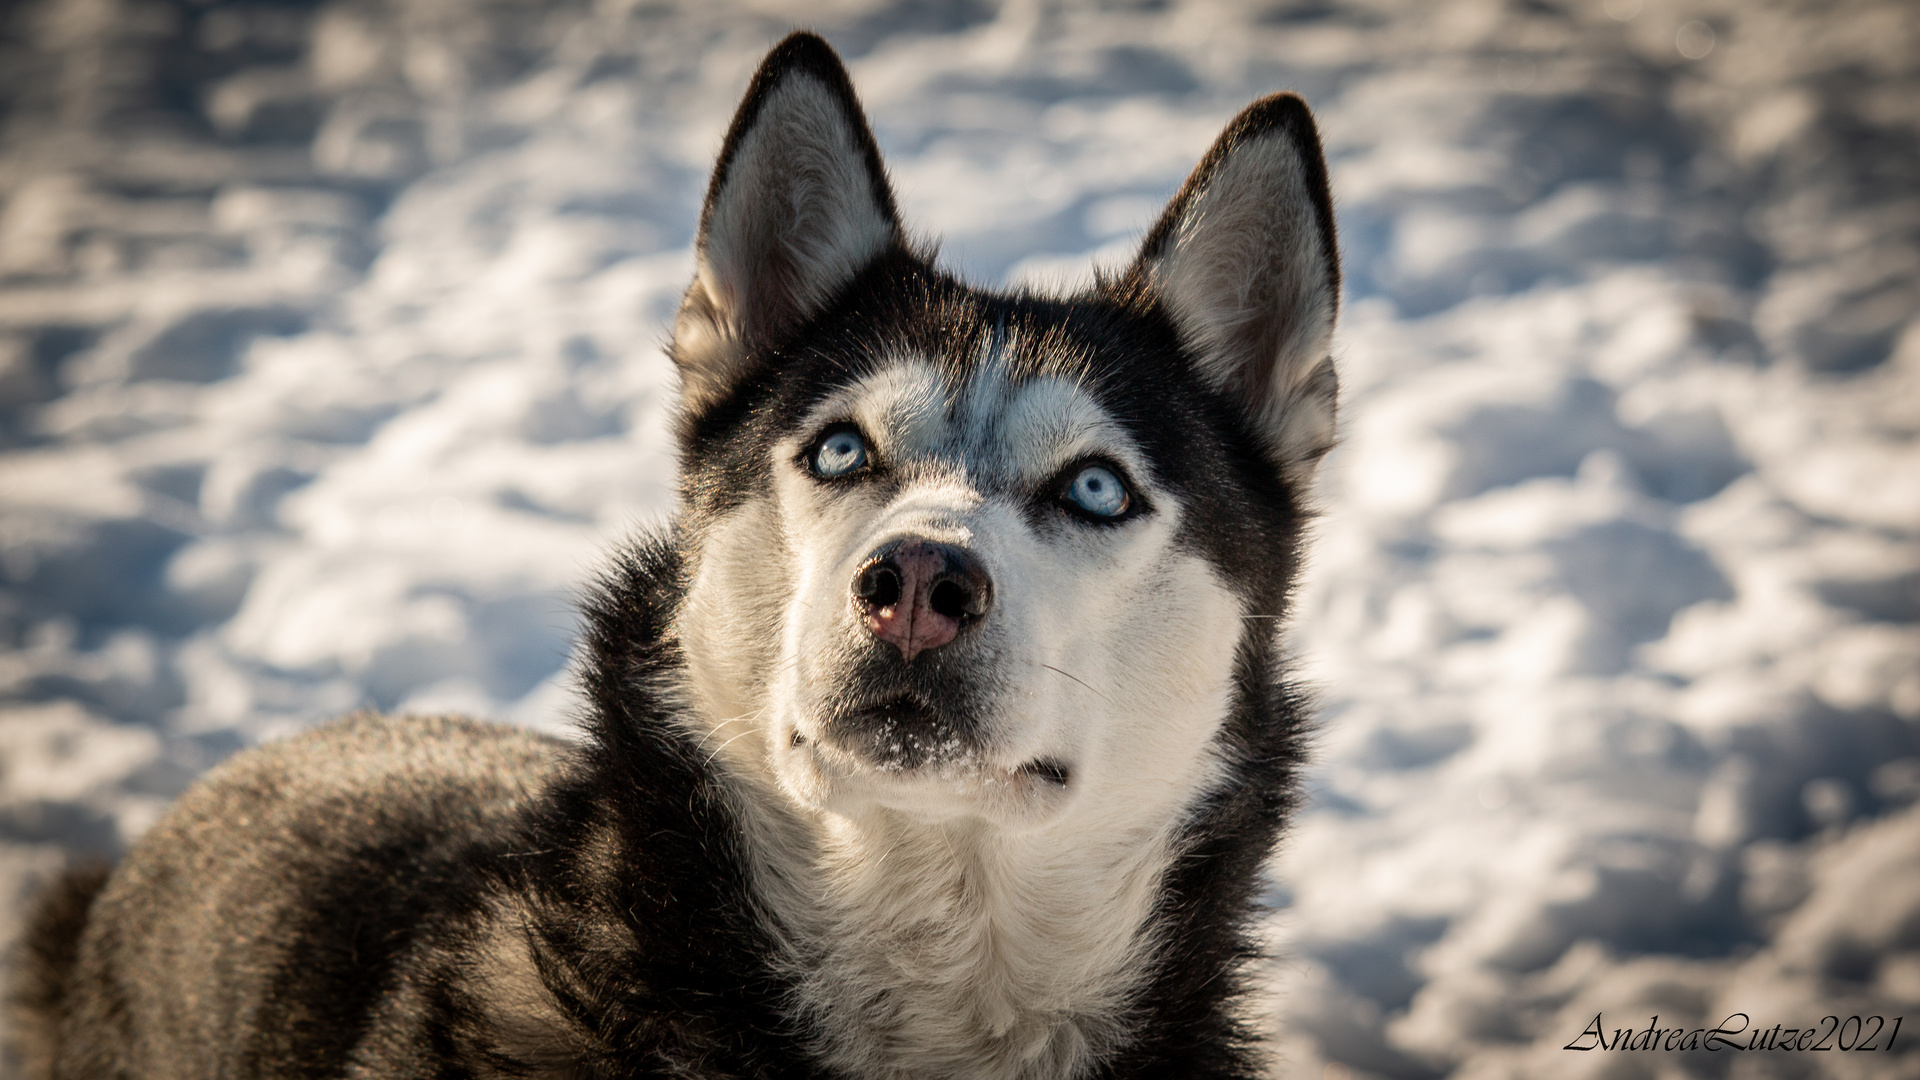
(918, 595)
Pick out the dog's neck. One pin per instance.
(993, 955)
(958, 949)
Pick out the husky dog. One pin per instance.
(941, 735)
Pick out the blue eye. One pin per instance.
(1098, 492)
(840, 453)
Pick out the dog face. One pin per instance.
(991, 611)
(958, 554)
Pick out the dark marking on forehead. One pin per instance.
(1121, 349)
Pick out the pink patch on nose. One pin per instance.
(910, 624)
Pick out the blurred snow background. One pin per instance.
(330, 362)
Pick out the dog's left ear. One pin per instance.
(798, 205)
(1244, 260)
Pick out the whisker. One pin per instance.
(718, 726)
(1079, 680)
(722, 747)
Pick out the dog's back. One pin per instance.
(263, 917)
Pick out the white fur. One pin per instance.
(966, 919)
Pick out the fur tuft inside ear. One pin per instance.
(798, 205)
(1245, 261)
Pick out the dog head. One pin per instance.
(961, 553)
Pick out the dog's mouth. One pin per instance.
(907, 734)
(1046, 770)
(901, 733)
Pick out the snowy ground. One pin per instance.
(329, 364)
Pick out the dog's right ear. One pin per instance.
(798, 205)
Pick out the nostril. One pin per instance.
(880, 585)
(917, 595)
(949, 598)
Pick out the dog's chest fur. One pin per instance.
(938, 951)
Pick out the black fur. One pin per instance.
(337, 904)
(39, 997)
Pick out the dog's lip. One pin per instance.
(1048, 770)
(884, 704)
(1043, 772)
(893, 733)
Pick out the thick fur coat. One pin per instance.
(943, 733)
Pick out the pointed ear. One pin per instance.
(1244, 260)
(798, 205)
